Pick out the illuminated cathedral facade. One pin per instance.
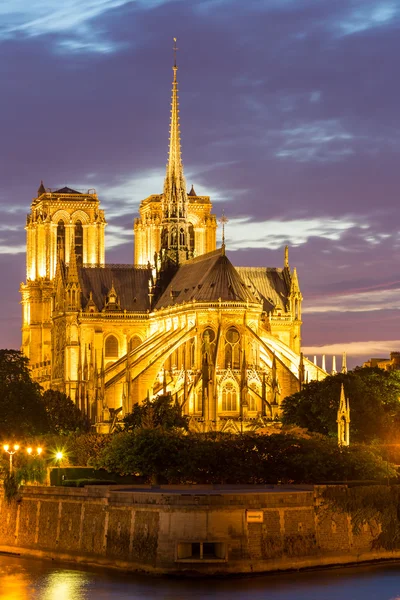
(224, 342)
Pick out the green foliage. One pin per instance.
(22, 411)
(82, 449)
(374, 404)
(32, 470)
(367, 504)
(11, 487)
(63, 414)
(174, 457)
(160, 412)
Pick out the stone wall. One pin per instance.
(206, 530)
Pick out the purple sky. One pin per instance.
(289, 116)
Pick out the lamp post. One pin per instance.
(6, 448)
(38, 451)
(59, 456)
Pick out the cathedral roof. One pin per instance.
(207, 278)
(130, 283)
(192, 192)
(270, 284)
(67, 190)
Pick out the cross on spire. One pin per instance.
(175, 50)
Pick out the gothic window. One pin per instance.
(208, 346)
(79, 242)
(191, 237)
(251, 399)
(61, 240)
(192, 363)
(229, 397)
(134, 342)
(111, 347)
(199, 401)
(232, 348)
(181, 237)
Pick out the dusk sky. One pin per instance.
(290, 116)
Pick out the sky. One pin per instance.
(290, 122)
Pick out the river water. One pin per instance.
(31, 579)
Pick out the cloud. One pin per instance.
(369, 348)
(371, 300)
(368, 17)
(244, 233)
(72, 21)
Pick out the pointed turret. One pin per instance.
(192, 191)
(73, 288)
(334, 365)
(286, 259)
(175, 235)
(344, 363)
(343, 419)
(41, 189)
(73, 268)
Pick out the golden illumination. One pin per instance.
(59, 455)
(39, 451)
(29, 451)
(6, 447)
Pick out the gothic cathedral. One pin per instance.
(222, 341)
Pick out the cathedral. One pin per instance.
(223, 341)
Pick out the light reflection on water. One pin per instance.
(30, 579)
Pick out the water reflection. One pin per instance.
(29, 579)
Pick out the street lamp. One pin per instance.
(59, 456)
(38, 451)
(6, 448)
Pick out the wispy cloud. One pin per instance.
(371, 300)
(368, 349)
(244, 233)
(368, 17)
(72, 21)
(318, 141)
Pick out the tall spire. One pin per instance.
(175, 239)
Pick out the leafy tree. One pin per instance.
(174, 457)
(22, 411)
(160, 412)
(374, 397)
(63, 415)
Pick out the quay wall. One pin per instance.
(185, 530)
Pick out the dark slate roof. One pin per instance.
(271, 285)
(67, 190)
(207, 278)
(192, 192)
(130, 284)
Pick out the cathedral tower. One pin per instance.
(60, 222)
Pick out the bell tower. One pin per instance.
(61, 222)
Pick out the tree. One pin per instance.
(374, 397)
(22, 411)
(160, 412)
(63, 415)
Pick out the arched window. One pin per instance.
(199, 401)
(229, 397)
(111, 347)
(182, 237)
(232, 349)
(251, 398)
(191, 237)
(79, 242)
(134, 342)
(61, 240)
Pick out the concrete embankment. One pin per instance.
(205, 530)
